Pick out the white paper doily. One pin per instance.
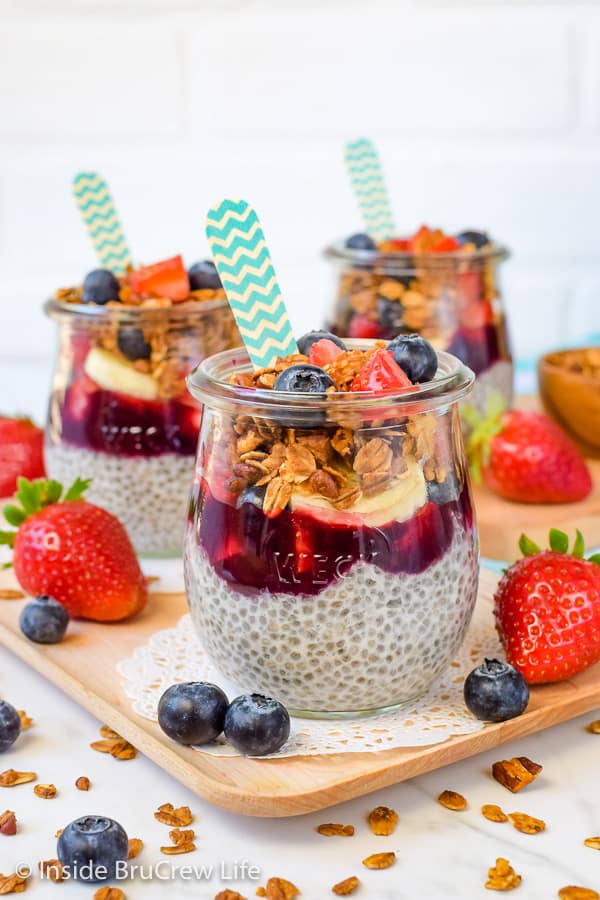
(175, 655)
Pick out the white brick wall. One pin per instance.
(486, 112)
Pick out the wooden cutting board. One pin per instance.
(84, 666)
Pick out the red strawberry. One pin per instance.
(547, 609)
(381, 372)
(73, 551)
(21, 453)
(525, 456)
(323, 352)
(446, 244)
(361, 327)
(167, 278)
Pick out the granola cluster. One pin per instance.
(340, 464)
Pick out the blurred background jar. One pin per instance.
(451, 297)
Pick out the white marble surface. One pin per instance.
(441, 854)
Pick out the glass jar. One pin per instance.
(331, 556)
(451, 299)
(120, 414)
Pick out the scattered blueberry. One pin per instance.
(496, 691)
(390, 314)
(252, 494)
(192, 713)
(10, 725)
(479, 238)
(415, 356)
(303, 379)
(257, 725)
(91, 847)
(100, 286)
(361, 242)
(132, 344)
(44, 620)
(445, 491)
(311, 337)
(203, 276)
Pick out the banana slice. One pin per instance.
(114, 374)
(399, 502)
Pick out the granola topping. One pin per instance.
(168, 815)
(335, 830)
(380, 860)
(502, 876)
(452, 800)
(45, 791)
(571, 892)
(526, 824)
(11, 778)
(382, 820)
(346, 887)
(493, 813)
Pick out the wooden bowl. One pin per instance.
(569, 383)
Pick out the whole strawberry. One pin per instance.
(547, 609)
(73, 551)
(21, 452)
(525, 456)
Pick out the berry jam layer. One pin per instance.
(115, 423)
(303, 551)
(371, 638)
(148, 494)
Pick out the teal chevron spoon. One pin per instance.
(368, 183)
(100, 217)
(244, 265)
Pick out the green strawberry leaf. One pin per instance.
(7, 565)
(579, 545)
(483, 429)
(78, 489)
(528, 547)
(7, 538)
(559, 541)
(595, 559)
(14, 515)
(29, 495)
(52, 492)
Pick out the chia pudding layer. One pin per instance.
(149, 494)
(370, 639)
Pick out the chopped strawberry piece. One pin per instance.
(395, 245)
(445, 245)
(21, 453)
(361, 327)
(323, 352)
(162, 279)
(421, 240)
(380, 373)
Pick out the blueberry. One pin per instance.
(361, 242)
(311, 337)
(252, 494)
(445, 491)
(204, 275)
(303, 379)
(91, 847)
(415, 356)
(44, 620)
(192, 713)
(132, 344)
(390, 314)
(10, 725)
(479, 238)
(496, 691)
(100, 286)
(257, 725)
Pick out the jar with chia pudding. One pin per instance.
(331, 556)
(445, 287)
(119, 412)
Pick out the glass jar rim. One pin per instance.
(58, 309)
(338, 252)
(207, 384)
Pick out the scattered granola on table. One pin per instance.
(382, 820)
(278, 889)
(82, 783)
(11, 594)
(515, 774)
(109, 893)
(12, 884)
(229, 895)
(493, 813)
(183, 842)
(135, 847)
(571, 892)
(452, 800)
(26, 721)
(168, 815)
(8, 823)
(526, 824)
(117, 747)
(594, 727)
(11, 778)
(346, 887)
(380, 860)
(45, 791)
(334, 830)
(51, 868)
(502, 876)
